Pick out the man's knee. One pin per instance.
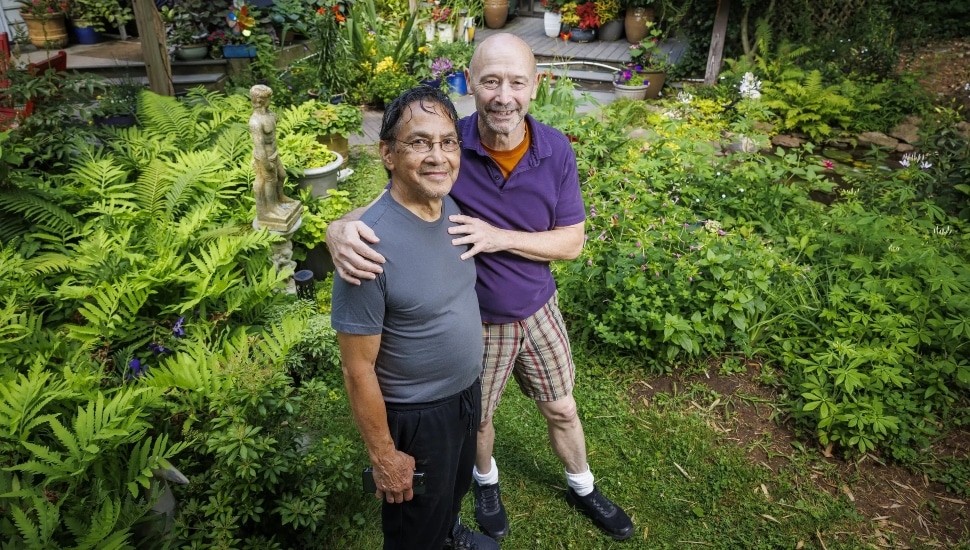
(562, 411)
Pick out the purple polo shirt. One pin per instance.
(542, 193)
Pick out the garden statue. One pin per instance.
(274, 210)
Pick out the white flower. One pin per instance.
(684, 97)
(750, 86)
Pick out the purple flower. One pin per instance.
(157, 348)
(177, 329)
(136, 368)
(440, 66)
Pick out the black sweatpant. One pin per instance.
(441, 436)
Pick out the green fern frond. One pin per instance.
(26, 397)
(277, 342)
(191, 171)
(41, 210)
(37, 535)
(46, 264)
(151, 188)
(234, 144)
(169, 118)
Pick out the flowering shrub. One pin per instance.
(388, 80)
(441, 15)
(440, 67)
(554, 6)
(630, 77)
(646, 55)
(42, 8)
(750, 87)
(569, 16)
(588, 17)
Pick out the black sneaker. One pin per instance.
(463, 538)
(489, 510)
(607, 516)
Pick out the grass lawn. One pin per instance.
(681, 483)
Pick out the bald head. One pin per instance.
(503, 78)
(504, 47)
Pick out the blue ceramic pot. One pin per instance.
(457, 84)
(238, 50)
(577, 34)
(85, 35)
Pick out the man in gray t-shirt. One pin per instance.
(411, 340)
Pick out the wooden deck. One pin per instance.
(531, 29)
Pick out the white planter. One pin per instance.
(321, 179)
(629, 92)
(552, 22)
(429, 32)
(446, 33)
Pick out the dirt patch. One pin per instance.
(905, 510)
(944, 71)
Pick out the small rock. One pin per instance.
(905, 148)
(787, 140)
(879, 139)
(906, 132)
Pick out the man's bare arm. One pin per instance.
(393, 470)
(560, 243)
(353, 259)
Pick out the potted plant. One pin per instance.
(552, 18)
(630, 84)
(98, 14)
(647, 57)
(333, 124)
(584, 22)
(187, 25)
(290, 18)
(117, 104)
(452, 59)
(611, 24)
(638, 14)
(442, 17)
(312, 163)
(45, 21)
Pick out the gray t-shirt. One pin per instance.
(423, 305)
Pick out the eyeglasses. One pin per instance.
(448, 145)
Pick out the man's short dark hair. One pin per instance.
(427, 97)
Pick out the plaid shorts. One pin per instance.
(535, 350)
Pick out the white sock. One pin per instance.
(490, 478)
(582, 483)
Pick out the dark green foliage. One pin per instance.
(133, 315)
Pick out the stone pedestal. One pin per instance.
(282, 258)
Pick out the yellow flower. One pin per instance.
(385, 65)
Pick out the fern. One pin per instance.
(39, 534)
(40, 209)
(26, 397)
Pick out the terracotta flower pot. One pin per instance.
(635, 23)
(46, 32)
(496, 13)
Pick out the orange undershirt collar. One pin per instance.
(508, 160)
